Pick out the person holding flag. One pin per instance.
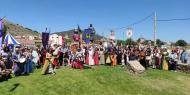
(1, 33)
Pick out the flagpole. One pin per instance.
(2, 18)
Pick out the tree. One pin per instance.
(130, 42)
(159, 42)
(181, 43)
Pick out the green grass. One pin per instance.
(99, 81)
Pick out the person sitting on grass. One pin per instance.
(5, 74)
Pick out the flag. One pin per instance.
(1, 33)
(79, 29)
(45, 39)
(87, 35)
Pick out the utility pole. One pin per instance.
(155, 29)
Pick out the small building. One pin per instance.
(26, 42)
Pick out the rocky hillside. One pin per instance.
(18, 30)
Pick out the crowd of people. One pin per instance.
(23, 60)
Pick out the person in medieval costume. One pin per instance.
(142, 56)
(91, 55)
(48, 63)
(165, 60)
(43, 56)
(184, 56)
(29, 64)
(35, 57)
(113, 58)
(153, 58)
(148, 56)
(108, 59)
(96, 56)
(80, 55)
(83, 53)
(76, 35)
(60, 56)
(55, 57)
(102, 56)
(172, 60)
(86, 56)
(119, 55)
(159, 59)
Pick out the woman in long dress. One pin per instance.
(91, 56)
(96, 57)
(165, 60)
(102, 56)
(114, 59)
(48, 61)
(86, 56)
(108, 58)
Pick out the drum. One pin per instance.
(22, 60)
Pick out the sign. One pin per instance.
(129, 33)
(112, 35)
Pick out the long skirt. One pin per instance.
(108, 60)
(87, 59)
(28, 67)
(96, 59)
(165, 65)
(102, 59)
(114, 60)
(19, 68)
(119, 59)
(77, 65)
(143, 62)
(45, 68)
(91, 60)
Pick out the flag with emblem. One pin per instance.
(87, 35)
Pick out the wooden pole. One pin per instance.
(155, 29)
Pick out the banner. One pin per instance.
(88, 35)
(45, 39)
(129, 32)
(1, 33)
(112, 36)
(76, 35)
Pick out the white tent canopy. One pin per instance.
(9, 39)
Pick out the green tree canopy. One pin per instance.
(159, 42)
(181, 43)
(130, 42)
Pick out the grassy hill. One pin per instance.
(16, 29)
(98, 81)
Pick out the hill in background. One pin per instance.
(70, 33)
(18, 30)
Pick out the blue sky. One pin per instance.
(63, 15)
